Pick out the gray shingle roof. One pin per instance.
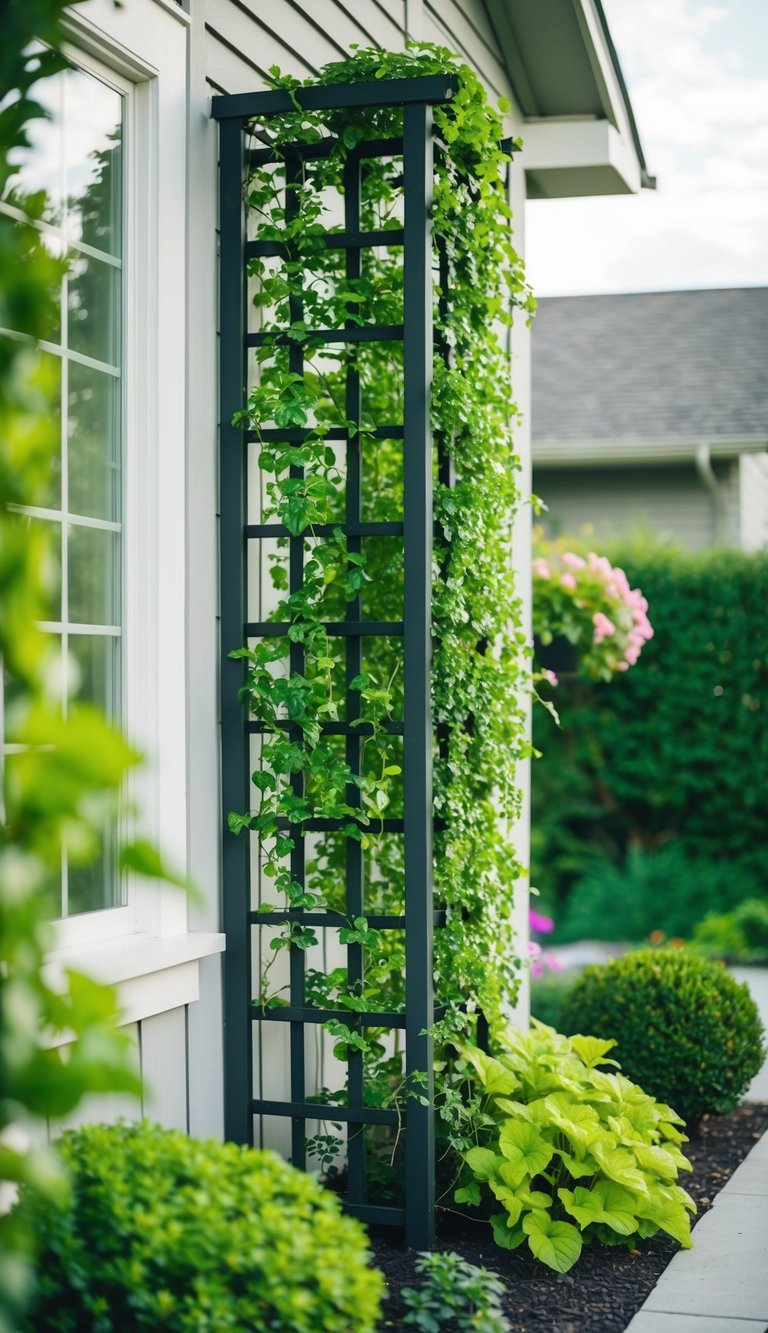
(653, 366)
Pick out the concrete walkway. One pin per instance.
(721, 1285)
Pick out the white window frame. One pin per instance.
(141, 51)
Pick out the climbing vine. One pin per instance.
(480, 671)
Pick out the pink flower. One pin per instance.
(568, 581)
(550, 676)
(544, 924)
(541, 569)
(604, 627)
(572, 561)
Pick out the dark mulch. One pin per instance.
(607, 1285)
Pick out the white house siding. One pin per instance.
(671, 502)
(232, 46)
(753, 490)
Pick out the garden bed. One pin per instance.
(607, 1286)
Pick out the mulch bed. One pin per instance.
(608, 1285)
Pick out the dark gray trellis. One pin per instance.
(416, 96)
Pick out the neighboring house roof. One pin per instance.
(652, 375)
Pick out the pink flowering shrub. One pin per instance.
(541, 958)
(588, 601)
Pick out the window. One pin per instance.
(115, 164)
(77, 158)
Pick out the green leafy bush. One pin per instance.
(684, 1029)
(164, 1231)
(740, 935)
(455, 1295)
(547, 995)
(572, 1153)
(677, 749)
(652, 890)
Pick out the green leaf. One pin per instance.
(606, 1202)
(469, 1193)
(592, 1050)
(508, 1238)
(494, 1077)
(525, 1149)
(556, 1244)
(482, 1162)
(620, 1165)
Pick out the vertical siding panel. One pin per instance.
(104, 1108)
(164, 1068)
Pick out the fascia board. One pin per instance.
(573, 146)
(592, 453)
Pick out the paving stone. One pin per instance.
(725, 1274)
(649, 1321)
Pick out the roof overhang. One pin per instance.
(579, 135)
(631, 453)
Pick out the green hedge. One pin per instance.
(674, 755)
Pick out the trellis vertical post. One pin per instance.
(418, 738)
(238, 1052)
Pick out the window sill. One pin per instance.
(152, 974)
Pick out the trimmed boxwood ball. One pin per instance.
(688, 1033)
(167, 1232)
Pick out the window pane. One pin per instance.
(96, 885)
(93, 143)
(93, 296)
(96, 663)
(50, 535)
(93, 431)
(40, 164)
(94, 576)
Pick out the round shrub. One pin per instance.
(167, 1232)
(687, 1032)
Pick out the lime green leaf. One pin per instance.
(556, 1244)
(468, 1194)
(606, 1202)
(592, 1050)
(482, 1162)
(579, 1167)
(620, 1165)
(658, 1160)
(507, 1237)
(525, 1149)
(579, 1122)
(494, 1077)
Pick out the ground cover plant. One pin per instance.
(657, 761)
(684, 1028)
(480, 666)
(572, 1153)
(454, 1295)
(737, 936)
(165, 1231)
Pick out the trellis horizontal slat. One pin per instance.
(336, 919)
(328, 728)
(333, 240)
(367, 1115)
(371, 333)
(274, 435)
(328, 530)
(268, 156)
(429, 88)
(335, 629)
(387, 1018)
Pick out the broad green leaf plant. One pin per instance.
(66, 772)
(480, 667)
(570, 1152)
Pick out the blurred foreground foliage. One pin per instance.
(58, 1039)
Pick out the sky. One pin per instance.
(697, 74)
